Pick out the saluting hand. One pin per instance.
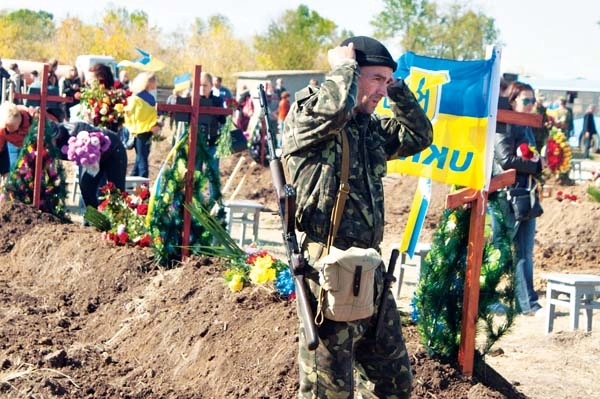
(341, 54)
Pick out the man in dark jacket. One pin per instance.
(589, 129)
(360, 76)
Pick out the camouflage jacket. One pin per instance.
(312, 149)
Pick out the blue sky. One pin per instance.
(543, 38)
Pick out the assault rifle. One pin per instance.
(286, 195)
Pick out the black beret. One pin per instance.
(370, 52)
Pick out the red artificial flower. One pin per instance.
(142, 209)
(554, 155)
(252, 258)
(144, 194)
(526, 152)
(144, 241)
(103, 205)
(231, 103)
(123, 238)
(109, 186)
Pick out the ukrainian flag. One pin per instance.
(456, 97)
(145, 63)
(182, 82)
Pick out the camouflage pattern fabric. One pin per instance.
(312, 149)
(383, 366)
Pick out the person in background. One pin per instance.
(221, 91)
(53, 108)
(35, 76)
(53, 70)
(506, 156)
(112, 165)
(209, 127)
(564, 118)
(272, 101)
(141, 120)
(541, 133)
(16, 81)
(123, 81)
(245, 110)
(361, 75)
(282, 111)
(71, 87)
(314, 83)
(15, 121)
(279, 88)
(4, 75)
(589, 130)
(102, 74)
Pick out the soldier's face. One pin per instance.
(372, 87)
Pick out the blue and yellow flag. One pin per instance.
(416, 217)
(456, 97)
(145, 63)
(182, 82)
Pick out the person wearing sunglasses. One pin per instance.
(508, 154)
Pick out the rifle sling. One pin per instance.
(342, 195)
(336, 217)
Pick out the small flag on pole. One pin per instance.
(182, 82)
(416, 217)
(146, 63)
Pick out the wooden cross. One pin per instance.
(194, 109)
(477, 199)
(43, 98)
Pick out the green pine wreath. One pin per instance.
(438, 302)
(53, 189)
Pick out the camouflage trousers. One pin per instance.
(346, 349)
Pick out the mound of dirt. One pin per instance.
(82, 318)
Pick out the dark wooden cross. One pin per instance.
(194, 109)
(477, 200)
(43, 98)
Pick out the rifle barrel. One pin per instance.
(286, 196)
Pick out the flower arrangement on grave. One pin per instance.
(121, 216)
(166, 208)
(86, 149)
(558, 152)
(224, 142)
(244, 268)
(438, 300)
(21, 181)
(103, 107)
(258, 267)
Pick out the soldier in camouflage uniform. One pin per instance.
(361, 75)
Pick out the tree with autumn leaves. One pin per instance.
(459, 30)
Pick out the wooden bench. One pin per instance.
(581, 292)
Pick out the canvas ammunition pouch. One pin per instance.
(347, 280)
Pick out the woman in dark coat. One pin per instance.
(113, 161)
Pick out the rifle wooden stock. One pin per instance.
(286, 198)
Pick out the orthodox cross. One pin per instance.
(43, 98)
(477, 200)
(194, 110)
